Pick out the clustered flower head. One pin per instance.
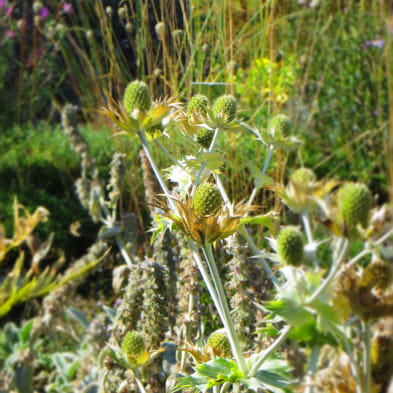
(290, 246)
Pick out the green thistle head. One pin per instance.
(217, 345)
(137, 96)
(353, 203)
(198, 105)
(378, 275)
(225, 108)
(290, 246)
(280, 125)
(133, 347)
(204, 137)
(207, 199)
(303, 177)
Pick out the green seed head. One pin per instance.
(137, 96)
(198, 105)
(204, 137)
(133, 345)
(207, 199)
(225, 108)
(290, 246)
(280, 125)
(218, 345)
(353, 203)
(303, 177)
(377, 275)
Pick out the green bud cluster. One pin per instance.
(207, 199)
(205, 137)
(353, 203)
(133, 345)
(280, 125)
(225, 108)
(198, 104)
(137, 96)
(303, 177)
(218, 345)
(290, 246)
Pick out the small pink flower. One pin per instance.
(10, 34)
(9, 11)
(3, 4)
(67, 8)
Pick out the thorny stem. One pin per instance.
(342, 248)
(263, 171)
(227, 320)
(203, 166)
(367, 356)
(263, 355)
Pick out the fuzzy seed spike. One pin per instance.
(137, 96)
(290, 246)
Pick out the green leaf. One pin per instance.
(25, 331)
(294, 313)
(267, 220)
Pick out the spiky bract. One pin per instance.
(290, 246)
(225, 108)
(353, 206)
(137, 96)
(207, 199)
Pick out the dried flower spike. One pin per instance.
(207, 199)
(290, 246)
(136, 96)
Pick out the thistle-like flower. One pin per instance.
(224, 109)
(278, 132)
(217, 345)
(207, 199)
(209, 227)
(290, 246)
(137, 112)
(204, 137)
(133, 347)
(353, 207)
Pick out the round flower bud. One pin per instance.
(280, 125)
(290, 246)
(303, 177)
(217, 345)
(198, 104)
(204, 137)
(207, 199)
(133, 346)
(136, 96)
(225, 108)
(354, 203)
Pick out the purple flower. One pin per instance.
(9, 11)
(67, 8)
(44, 12)
(3, 4)
(375, 43)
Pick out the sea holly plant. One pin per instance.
(329, 277)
